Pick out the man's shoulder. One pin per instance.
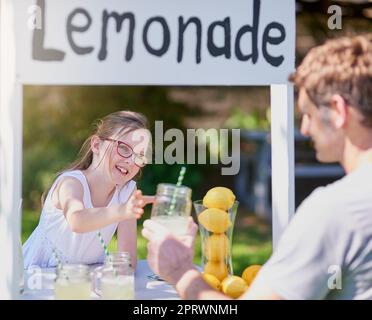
(324, 196)
(323, 204)
(350, 188)
(336, 202)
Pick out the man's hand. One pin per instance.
(169, 256)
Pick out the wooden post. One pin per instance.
(10, 156)
(282, 161)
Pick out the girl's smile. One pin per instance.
(122, 170)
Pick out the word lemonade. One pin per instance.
(216, 217)
(142, 31)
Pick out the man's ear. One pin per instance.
(340, 111)
(95, 143)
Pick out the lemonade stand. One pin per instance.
(194, 43)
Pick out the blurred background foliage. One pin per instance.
(257, 119)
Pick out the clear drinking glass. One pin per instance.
(172, 207)
(115, 279)
(72, 282)
(217, 247)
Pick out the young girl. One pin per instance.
(96, 193)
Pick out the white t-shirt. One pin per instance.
(326, 251)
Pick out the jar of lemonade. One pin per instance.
(115, 279)
(72, 283)
(172, 207)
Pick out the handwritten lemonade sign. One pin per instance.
(207, 42)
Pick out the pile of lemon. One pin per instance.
(215, 219)
(233, 286)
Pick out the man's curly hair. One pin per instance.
(340, 66)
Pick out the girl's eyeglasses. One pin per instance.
(126, 151)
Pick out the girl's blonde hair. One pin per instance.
(113, 124)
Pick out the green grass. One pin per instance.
(251, 240)
(30, 220)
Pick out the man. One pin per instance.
(326, 251)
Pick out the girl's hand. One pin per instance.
(133, 208)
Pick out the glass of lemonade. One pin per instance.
(115, 279)
(172, 207)
(72, 282)
(117, 287)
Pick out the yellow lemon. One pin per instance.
(212, 281)
(220, 198)
(250, 273)
(214, 220)
(217, 269)
(216, 247)
(233, 286)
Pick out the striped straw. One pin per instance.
(181, 176)
(179, 183)
(103, 244)
(59, 262)
(105, 249)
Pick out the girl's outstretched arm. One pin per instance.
(127, 239)
(81, 220)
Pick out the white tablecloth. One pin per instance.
(39, 285)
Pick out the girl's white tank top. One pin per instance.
(54, 234)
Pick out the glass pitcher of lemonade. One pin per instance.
(115, 279)
(72, 283)
(172, 207)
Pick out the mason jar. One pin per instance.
(72, 282)
(172, 207)
(115, 279)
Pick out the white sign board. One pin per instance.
(163, 42)
(141, 42)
